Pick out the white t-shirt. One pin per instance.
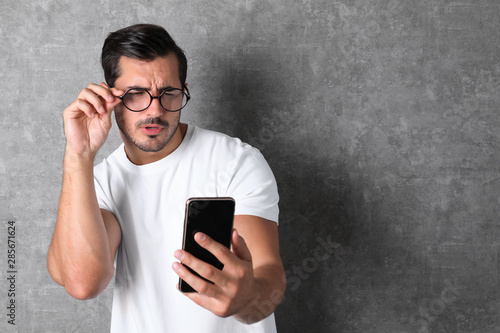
(149, 203)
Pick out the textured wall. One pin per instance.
(379, 119)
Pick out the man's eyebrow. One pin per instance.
(168, 88)
(135, 87)
(148, 89)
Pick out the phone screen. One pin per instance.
(212, 216)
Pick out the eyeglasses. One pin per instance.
(139, 99)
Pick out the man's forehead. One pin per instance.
(162, 72)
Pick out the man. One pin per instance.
(127, 213)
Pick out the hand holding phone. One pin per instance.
(213, 217)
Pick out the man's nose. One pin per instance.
(155, 109)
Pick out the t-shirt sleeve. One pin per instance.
(102, 198)
(254, 187)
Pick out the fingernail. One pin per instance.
(176, 266)
(101, 109)
(200, 236)
(179, 254)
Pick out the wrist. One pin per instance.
(266, 298)
(73, 159)
(255, 310)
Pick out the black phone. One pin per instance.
(214, 217)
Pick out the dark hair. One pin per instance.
(143, 42)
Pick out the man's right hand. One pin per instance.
(87, 120)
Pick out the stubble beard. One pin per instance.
(154, 143)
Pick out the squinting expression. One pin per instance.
(152, 129)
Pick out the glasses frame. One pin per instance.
(186, 93)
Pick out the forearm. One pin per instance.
(270, 288)
(79, 255)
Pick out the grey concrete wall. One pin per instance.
(379, 119)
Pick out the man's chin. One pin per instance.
(151, 143)
(151, 147)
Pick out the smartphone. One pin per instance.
(214, 217)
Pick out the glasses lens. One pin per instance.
(173, 99)
(136, 99)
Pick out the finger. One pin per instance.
(102, 91)
(197, 283)
(239, 247)
(204, 269)
(106, 98)
(218, 306)
(92, 96)
(114, 91)
(75, 109)
(217, 249)
(117, 93)
(207, 302)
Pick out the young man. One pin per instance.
(127, 213)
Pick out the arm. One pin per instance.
(85, 238)
(261, 238)
(252, 282)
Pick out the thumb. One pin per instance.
(115, 94)
(239, 247)
(115, 91)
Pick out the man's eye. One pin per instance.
(171, 93)
(136, 92)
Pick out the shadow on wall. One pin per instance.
(339, 251)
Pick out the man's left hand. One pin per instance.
(234, 287)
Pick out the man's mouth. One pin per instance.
(152, 126)
(152, 129)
